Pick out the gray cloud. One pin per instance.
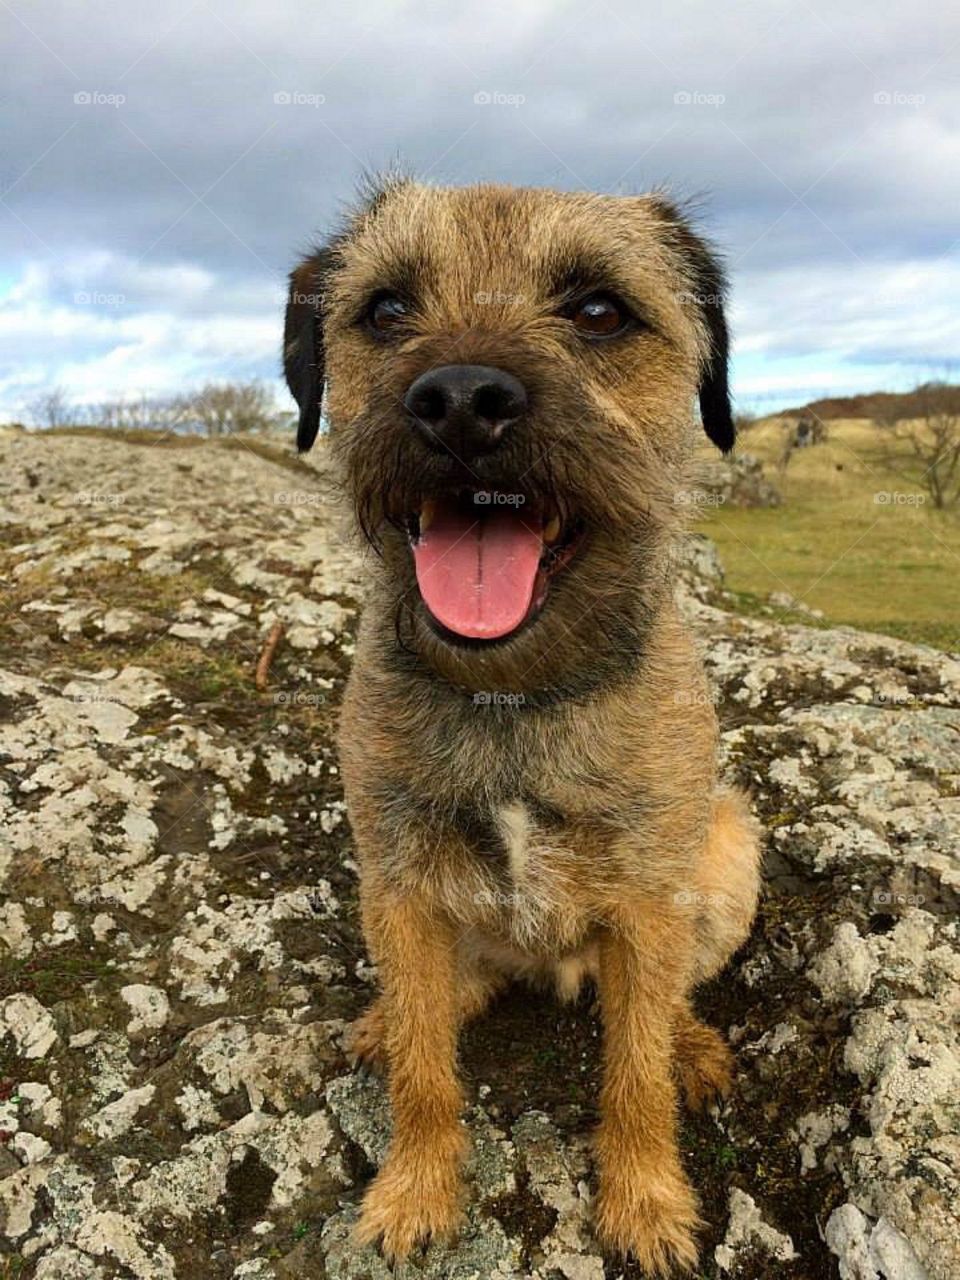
(821, 140)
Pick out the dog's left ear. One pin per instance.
(303, 343)
(707, 290)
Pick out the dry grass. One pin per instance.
(269, 449)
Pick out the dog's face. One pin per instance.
(511, 376)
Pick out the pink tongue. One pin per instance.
(477, 573)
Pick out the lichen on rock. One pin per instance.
(179, 932)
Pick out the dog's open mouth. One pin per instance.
(484, 559)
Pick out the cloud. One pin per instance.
(184, 158)
(104, 327)
(884, 312)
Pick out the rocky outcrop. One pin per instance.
(738, 481)
(180, 946)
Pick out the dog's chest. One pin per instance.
(513, 823)
(511, 839)
(530, 873)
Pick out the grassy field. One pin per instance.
(850, 539)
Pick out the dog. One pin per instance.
(527, 739)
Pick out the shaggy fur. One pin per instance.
(570, 827)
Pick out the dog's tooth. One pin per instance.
(551, 530)
(427, 512)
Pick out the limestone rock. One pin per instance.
(179, 924)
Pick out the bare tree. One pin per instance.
(143, 414)
(225, 408)
(52, 409)
(924, 430)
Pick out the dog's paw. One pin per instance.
(366, 1039)
(651, 1220)
(704, 1066)
(404, 1208)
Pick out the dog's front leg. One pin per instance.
(645, 1206)
(416, 1194)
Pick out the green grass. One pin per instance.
(889, 566)
(56, 975)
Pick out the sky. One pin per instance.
(163, 165)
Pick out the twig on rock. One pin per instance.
(266, 657)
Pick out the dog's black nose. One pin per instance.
(465, 409)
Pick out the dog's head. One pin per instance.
(511, 377)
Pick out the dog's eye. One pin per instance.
(599, 316)
(386, 312)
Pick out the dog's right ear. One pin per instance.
(303, 343)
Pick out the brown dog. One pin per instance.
(527, 740)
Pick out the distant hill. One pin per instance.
(879, 406)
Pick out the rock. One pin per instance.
(868, 1250)
(747, 1232)
(18, 1196)
(127, 624)
(65, 1263)
(206, 626)
(309, 623)
(816, 1130)
(149, 1006)
(739, 481)
(785, 602)
(111, 1235)
(559, 1177)
(197, 1108)
(15, 930)
(362, 1111)
(113, 1120)
(40, 1103)
(277, 1065)
(179, 920)
(30, 1148)
(29, 1024)
(487, 1252)
(846, 969)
